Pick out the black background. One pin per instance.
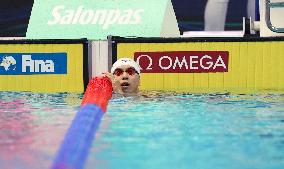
(15, 14)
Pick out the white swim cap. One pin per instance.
(125, 61)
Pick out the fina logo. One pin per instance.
(33, 63)
(36, 65)
(41, 66)
(9, 63)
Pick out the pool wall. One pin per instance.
(196, 65)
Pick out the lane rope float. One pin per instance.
(79, 137)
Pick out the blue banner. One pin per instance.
(33, 63)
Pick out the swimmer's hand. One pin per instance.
(116, 87)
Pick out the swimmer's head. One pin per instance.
(127, 72)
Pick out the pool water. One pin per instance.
(32, 127)
(158, 130)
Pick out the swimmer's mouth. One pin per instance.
(124, 84)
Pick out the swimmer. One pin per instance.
(125, 77)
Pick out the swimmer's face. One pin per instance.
(128, 78)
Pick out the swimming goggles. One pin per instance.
(131, 71)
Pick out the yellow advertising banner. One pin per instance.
(40, 67)
(208, 66)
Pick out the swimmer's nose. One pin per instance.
(125, 78)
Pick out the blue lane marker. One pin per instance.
(78, 139)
